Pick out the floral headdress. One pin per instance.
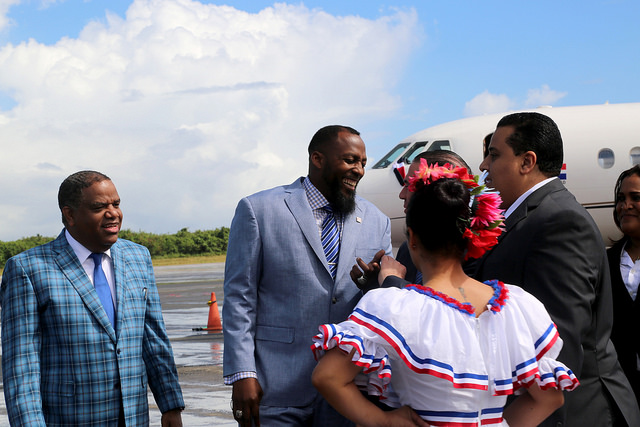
(485, 222)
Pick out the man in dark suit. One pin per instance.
(280, 284)
(82, 328)
(552, 248)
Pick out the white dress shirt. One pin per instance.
(87, 263)
(630, 272)
(526, 194)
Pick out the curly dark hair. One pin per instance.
(438, 214)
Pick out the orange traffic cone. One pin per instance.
(214, 324)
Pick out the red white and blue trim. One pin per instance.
(415, 363)
(485, 417)
(512, 345)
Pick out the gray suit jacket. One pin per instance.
(552, 248)
(278, 288)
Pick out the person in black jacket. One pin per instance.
(624, 264)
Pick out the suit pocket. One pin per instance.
(275, 333)
(366, 253)
(66, 389)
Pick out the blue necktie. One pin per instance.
(102, 287)
(330, 240)
(418, 278)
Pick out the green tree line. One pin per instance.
(182, 243)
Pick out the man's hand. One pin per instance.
(172, 418)
(245, 398)
(390, 267)
(364, 275)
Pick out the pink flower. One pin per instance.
(487, 210)
(486, 215)
(428, 174)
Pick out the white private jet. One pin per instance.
(600, 141)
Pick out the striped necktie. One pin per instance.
(102, 287)
(330, 240)
(418, 278)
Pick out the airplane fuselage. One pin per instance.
(600, 141)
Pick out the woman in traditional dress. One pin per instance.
(449, 352)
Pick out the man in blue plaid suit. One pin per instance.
(65, 361)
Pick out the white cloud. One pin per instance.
(5, 5)
(487, 103)
(543, 96)
(186, 106)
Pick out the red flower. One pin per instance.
(480, 241)
(486, 215)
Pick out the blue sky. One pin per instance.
(189, 105)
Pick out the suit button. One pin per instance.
(334, 300)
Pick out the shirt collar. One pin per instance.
(81, 252)
(315, 197)
(625, 259)
(526, 194)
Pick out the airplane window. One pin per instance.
(414, 151)
(440, 145)
(635, 155)
(391, 156)
(606, 159)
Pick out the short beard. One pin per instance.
(340, 202)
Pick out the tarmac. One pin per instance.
(184, 293)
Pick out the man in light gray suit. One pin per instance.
(280, 285)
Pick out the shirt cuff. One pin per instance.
(230, 379)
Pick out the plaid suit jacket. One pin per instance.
(63, 364)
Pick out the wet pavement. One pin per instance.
(184, 292)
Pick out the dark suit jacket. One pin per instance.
(552, 248)
(404, 258)
(626, 321)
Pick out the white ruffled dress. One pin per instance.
(421, 348)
